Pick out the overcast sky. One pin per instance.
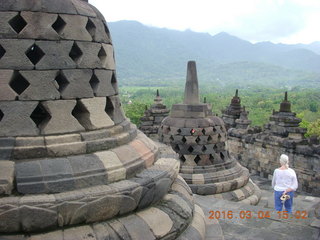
(286, 21)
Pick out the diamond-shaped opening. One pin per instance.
(17, 23)
(203, 131)
(107, 30)
(222, 155)
(171, 138)
(91, 28)
(18, 83)
(34, 53)
(211, 158)
(214, 129)
(219, 136)
(59, 25)
(197, 159)
(209, 139)
(114, 82)
(75, 53)
(184, 140)
(190, 149)
(40, 115)
(1, 115)
(61, 81)
(94, 82)
(182, 158)
(2, 51)
(102, 55)
(179, 131)
(204, 148)
(177, 148)
(215, 147)
(198, 140)
(109, 108)
(79, 110)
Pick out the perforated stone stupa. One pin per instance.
(200, 140)
(153, 116)
(71, 165)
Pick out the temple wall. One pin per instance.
(262, 156)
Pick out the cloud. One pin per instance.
(254, 20)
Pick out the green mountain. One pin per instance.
(149, 56)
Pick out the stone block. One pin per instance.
(58, 6)
(120, 229)
(6, 30)
(6, 148)
(56, 169)
(42, 85)
(62, 120)
(108, 62)
(95, 135)
(99, 32)
(77, 84)
(197, 179)
(6, 177)
(15, 54)
(27, 173)
(113, 166)
(159, 222)
(39, 26)
(92, 115)
(145, 153)
(61, 139)
(56, 55)
(68, 32)
(83, 8)
(16, 119)
(9, 221)
(33, 218)
(6, 92)
(54, 235)
(137, 228)
(114, 109)
(100, 145)
(104, 231)
(29, 147)
(79, 233)
(104, 85)
(91, 55)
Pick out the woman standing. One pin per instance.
(284, 182)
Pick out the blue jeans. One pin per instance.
(278, 205)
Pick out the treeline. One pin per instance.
(259, 101)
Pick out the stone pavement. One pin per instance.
(248, 222)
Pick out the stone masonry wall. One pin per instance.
(260, 154)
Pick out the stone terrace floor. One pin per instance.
(273, 227)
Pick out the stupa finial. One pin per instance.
(191, 92)
(286, 96)
(158, 93)
(236, 93)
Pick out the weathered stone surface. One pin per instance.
(15, 57)
(39, 26)
(103, 86)
(55, 235)
(92, 113)
(42, 85)
(108, 62)
(29, 147)
(16, 119)
(79, 233)
(83, 8)
(6, 177)
(158, 221)
(104, 231)
(68, 32)
(9, 221)
(61, 120)
(89, 57)
(137, 228)
(6, 92)
(33, 218)
(77, 85)
(6, 30)
(114, 109)
(99, 32)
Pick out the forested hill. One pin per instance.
(152, 56)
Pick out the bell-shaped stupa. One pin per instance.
(200, 140)
(71, 165)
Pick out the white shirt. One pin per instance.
(284, 179)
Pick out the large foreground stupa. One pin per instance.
(71, 165)
(200, 140)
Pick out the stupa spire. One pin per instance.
(191, 92)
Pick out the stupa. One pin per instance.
(200, 140)
(153, 116)
(71, 165)
(232, 112)
(284, 123)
